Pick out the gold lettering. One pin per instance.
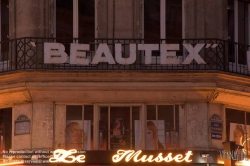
(150, 158)
(135, 156)
(127, 155)
(168, 158)
(121, 154)
(188, 154)
(159, 158)
(178, 157)
(65, 156)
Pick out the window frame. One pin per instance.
(174, 129)
(75, 19)
(4, 64)
(236, 62)
(82, 121)
(97, 119)
(245, 123)
(163, 18)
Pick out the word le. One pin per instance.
(233, 155)
(55, 53)
(131, 154)
(65, 156)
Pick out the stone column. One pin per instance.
(196, 117)
(42, 128)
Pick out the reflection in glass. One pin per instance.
(79, 127)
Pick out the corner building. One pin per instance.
(167, 77)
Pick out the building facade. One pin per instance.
(125, 82)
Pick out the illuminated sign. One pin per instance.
(105, 157)
(55, 53)
(136, 156)
(65, 156)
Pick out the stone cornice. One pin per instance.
(120, 86)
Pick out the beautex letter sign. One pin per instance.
(54, 53)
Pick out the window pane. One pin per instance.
(103, 126)
(4, 20)
(64, 18)
(74, 127)
(88, 126)
(248, 118)
(235, 121)
(151, 112)
(162, 133)
(247, 144)
(88, 112)
(120, 128)
(4, 30)
(242, 22)
(73, 112)
(151, 20)
(5, 129)
(171, 125)
(86, 19)
(242, 30)
(135, 119)
(79, 132)
(173, 19)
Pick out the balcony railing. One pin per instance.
(217, 55)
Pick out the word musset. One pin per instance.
(55, 53)
(128, 155)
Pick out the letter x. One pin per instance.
(193, 54)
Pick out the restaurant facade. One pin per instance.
(125, 82)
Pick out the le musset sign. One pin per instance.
(54, 53)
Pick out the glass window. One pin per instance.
(64, 18)
(5, 129)
(79, 127)
(151, 20)
(238, 26)
(238, 127)
(117, 127)
(4, 28)
(162, 127)
(86, 16)
(173, 19)
(67, 26)
(171, 28)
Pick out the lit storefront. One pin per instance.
(148, 90)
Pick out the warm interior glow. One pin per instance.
(220, 162)
(65, 156)
(243, 163)
(12, 163)
(136, 156)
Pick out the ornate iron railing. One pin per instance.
(219, 55)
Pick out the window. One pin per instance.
(4, 27)
(124, 127)
(75, 19)
(5, 129)
(162, 127)
(238, 127)
(117, 127)
(238, 29)
(162, 19)
(79, 127)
